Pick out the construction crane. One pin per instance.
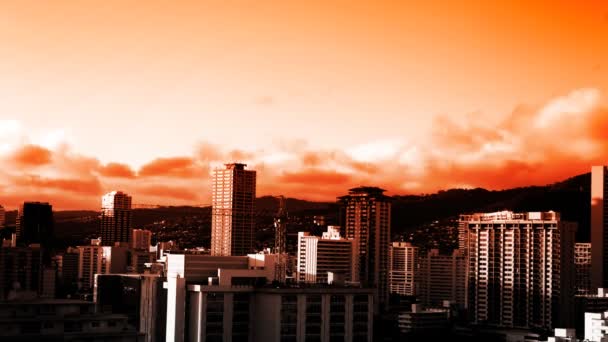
(280, 232)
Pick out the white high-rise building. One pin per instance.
(317, 256)
(233, 200)
(521, 271)
(368, 222)
(141, 239)
(115, 218)
(403, 261)
(599, 227)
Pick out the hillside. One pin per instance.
(570, 197)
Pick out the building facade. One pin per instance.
(141, 239)
(269, 314)
(367, 220)
(442, 277)
(95, 259)
(403, 261)
(141, 297)
(35, 224)
(582, 264)
(20, 271)
(62, 320)
(115, 218)
(2, 217)
(319, 255)
(233, 199)
(599, 226)
(521, 269)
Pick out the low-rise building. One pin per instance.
(423, 321)
(61, 320)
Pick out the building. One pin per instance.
(35, 224)
(137, 260)
(367, 220)
(141, 239)
(2, 217)
(67, 270)
(233, 198)
(141, 298)
(582, 265)
(48, 282)
(95, 259)
(596, 326)
(521, 270)
(442, 277)
(563, 335)
(599, 227)
(403, 261)
(62, 320)
(216, 298)
(267, 314)
(317, 256)
(20, 271)
(597, 303)
(115, 218)
(423, 321)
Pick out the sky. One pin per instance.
(317, 96)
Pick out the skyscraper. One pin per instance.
(367, 220)
(521, 269)
(115, 218)
(35, 224)
(317, 256)
(599, 227)
(442, 277)
(233, 198)
(2, 217)
(403, 261)
(582, 264)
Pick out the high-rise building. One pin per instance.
(233, 199)
(35, 224)
(582, 264)
(442, 277)
(141, 239)
(521, 271)
(317, 256)
(96, 259)
(599, 226)
(20, 270)
(2, 217)
(115, 218)
(67, 270)
(367, 220)
(403, 261)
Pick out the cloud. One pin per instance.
(534, 144)
(80, 186)
(171, 192)
(31, 155)
(314, 177)
(179, 167)
(116, 170)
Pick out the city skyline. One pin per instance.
(463, 94)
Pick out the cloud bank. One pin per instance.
(531, 145)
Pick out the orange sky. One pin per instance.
(318, 96)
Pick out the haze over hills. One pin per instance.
(570, 197)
